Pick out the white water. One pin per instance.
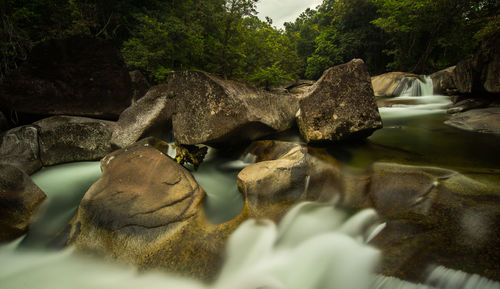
(416, 87)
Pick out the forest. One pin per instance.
(227, 38)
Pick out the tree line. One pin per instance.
(225, 37)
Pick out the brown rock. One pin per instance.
(70, 139)
(442, 81)
(214, 111)
(75, 76)
(340, 105)
(19, 197)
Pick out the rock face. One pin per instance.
(486, 120)
(76, 76)
(19, 147)
(390, 84)
(340, 105)
(146, 209)
(19, 197)
(151, 115)
(212, 111)
(69, 139)
(479, 74)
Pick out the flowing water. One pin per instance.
(315, 246)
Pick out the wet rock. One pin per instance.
(147, 210)
(149, 116)
(75, 76)
(468, 104)
(284, 175)
(140, 85)
(442, 81)
(19, 197)
(392, 83)
(435, 217)
(486, 120)
(213, 111)
(340, 105)
(19, 147)
(70, 139)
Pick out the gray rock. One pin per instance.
(214, 111)
(70, 139)
(150, 116)
(340, 105)
(486, 120)
(19, 197)
(19, 147)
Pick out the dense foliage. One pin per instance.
(225, 36)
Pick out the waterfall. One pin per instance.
(413, 86)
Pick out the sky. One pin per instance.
(282, 11)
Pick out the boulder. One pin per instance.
(19, 197)
(140, 85)
(485, 120)
(213, 111)
(299, 86)
(147, 210)
(149, 116)
(340, 105)
(479, 74)
(71, 138)
(284, 175)
(75, 76)
(467, 104)
(392, 83)
(442, 81)
(19, 147)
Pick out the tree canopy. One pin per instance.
(225, 37)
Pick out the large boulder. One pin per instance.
(485, 120)
(286, 173)
(75, 76)
(340, 105)
(392, 83)
(71, 138)
(19, 147)
(147, 210)
(479, 74)
(150, 115)
(214, 111)
(442, 81)
(19, 197)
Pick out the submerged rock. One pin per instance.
(20, 147)
(19, 197)
(435, 216)
(390, 84)
(149, 116)
(74, 76)
(69, 139)
(486, 120)
(213, 111)
(340, 105)
(147, 210)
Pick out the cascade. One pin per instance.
(412, 86)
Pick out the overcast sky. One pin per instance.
(282, 11)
